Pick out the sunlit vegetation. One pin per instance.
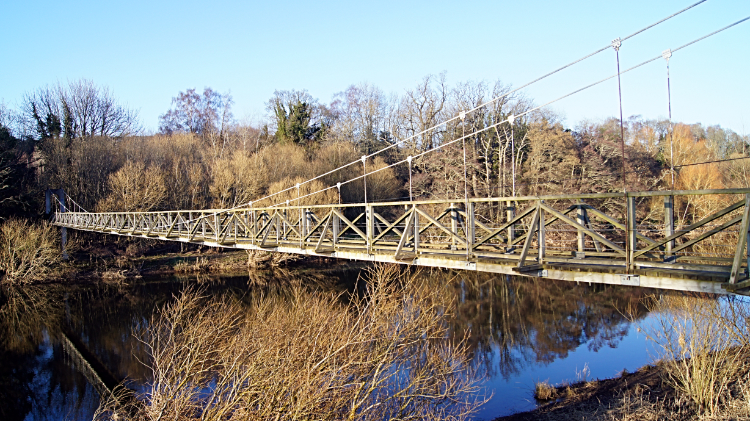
(703, 346)
(28, 251)
(205, 158)
(384, 354)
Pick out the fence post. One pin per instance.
(203, 226)
(217, 228)
(335, 229)
(741, 243)
(286, 217)
(668, 227)
(307, 224)
(254, 227)
(581, 215)
(454, 224)
(470, 228)
(510, 213)
(415, 215)
(631, 241)
(541, 234)
(370, 227)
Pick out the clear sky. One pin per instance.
(148, 51)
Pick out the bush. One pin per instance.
(384, 355)
(701, 345)
(28, 251)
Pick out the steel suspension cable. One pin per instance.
(486, 103)
(511, 118)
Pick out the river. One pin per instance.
(523, 330)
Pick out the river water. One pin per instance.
(523, 330)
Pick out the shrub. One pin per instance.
(28, 251)
(702, 354)
(384, 355)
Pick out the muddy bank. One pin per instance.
(592, 399)
(642, 395)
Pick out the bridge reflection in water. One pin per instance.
(684, 240)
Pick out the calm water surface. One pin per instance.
(522, 330)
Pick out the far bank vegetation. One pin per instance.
(203, 157)
(78, 137)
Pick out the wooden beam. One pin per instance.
(440, 226)
(350, 225)
(405, 235)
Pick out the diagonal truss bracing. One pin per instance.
(552, 234)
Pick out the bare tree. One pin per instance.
(385, 355)
(421, 109)
(361, 115)
(79, 109)
(196, 113)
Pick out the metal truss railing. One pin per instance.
(667, 230)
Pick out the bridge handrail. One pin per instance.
(458, 200)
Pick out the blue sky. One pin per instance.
(148, 51)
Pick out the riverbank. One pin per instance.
(641, 395)
(125, 262)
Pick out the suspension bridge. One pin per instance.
(622, 238)
(566, 237)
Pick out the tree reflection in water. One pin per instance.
(515, 323)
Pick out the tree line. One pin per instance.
(79, 137)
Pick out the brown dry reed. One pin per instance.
(384, 354)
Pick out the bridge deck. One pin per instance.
(613, 238)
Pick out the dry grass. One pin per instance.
(113, 276)
(259, 259)
(702, 344)
(28, 251)
(383, 355)
(200, 265)
(544, 391)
